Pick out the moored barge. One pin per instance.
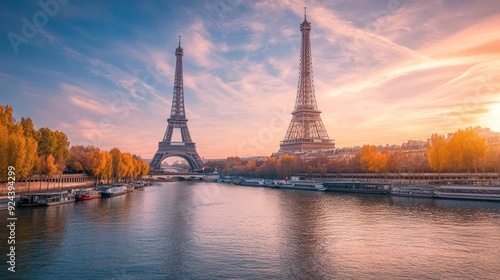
(358, 187)
(46, 198)
(114, 190)
(87, 194)
(304, 185)
(468, 192)
(413, 191)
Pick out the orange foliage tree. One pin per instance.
(373, 161)
(437, 153)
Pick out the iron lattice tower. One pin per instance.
(185, 149)
(306, 131)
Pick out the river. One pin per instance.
(198, 230)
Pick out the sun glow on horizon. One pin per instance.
(493, 121)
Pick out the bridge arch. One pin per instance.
(192, 164)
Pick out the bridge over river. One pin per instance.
(184, 176)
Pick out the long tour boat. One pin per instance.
(252, 182)
(46, 198)
(304, 185)
(87, 194)
(358, 187)
(468, 192)
(413, 191)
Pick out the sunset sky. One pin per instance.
(385, 71)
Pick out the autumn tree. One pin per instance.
(268, 168)
(127, 164)
(16, 153)
(437, 153)
(106, 166)
(4, 140)
(119, 170)
(136, 160)
(234, 166)
(465, 148)
(354, 164)
(394, 161)
(29, 128)
(6, 116)
(285, 166)
(250, 168)
(373, 161)
(54, 143)
(76, 158)
(144, 169)
(32, 136)
(47, 152)
(48, 167)
(17, 144)
(211, 165)
(318, 163)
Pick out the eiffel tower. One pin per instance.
(306, 131)
(185, 149)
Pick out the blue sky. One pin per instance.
(385, 71)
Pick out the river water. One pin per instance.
(187, 230)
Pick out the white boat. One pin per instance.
(253, 183)
(138, 184)
(468, 192)
(46, 198)
(304, 185)
(271, 184)
(114, 190)
(413, 191)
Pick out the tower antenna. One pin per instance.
(305, 17)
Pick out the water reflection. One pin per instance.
(39, 231)
(304, 243)
(199, 231)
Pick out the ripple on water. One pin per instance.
(200, 230)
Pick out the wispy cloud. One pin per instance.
(384, 72)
